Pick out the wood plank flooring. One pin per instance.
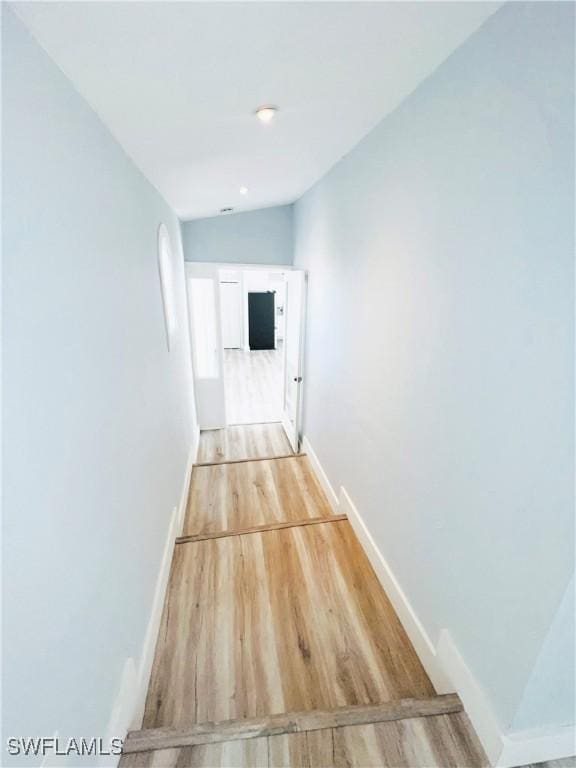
(237, 496)
(253, 385)
(245, 442)
(441, 741)
(284, 620)
(285, 633)
(228, 754)
(290, 722)
(261, 528)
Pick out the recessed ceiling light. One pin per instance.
(266, 113)
(243, 190)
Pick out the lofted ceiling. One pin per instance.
(177, 84)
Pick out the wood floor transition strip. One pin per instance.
(260, 528)
(243, 442)
(243, 461)
(284, 621)
(233, 497)
(289, 722)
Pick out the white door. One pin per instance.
(294, 310)
(202, 289)
(231, 305)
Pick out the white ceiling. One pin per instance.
(177, 83)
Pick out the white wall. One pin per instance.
(98, 415)
(263, 236)
(439, 386)
(277, 283)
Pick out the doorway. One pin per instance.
(252, 316)
(256, 371)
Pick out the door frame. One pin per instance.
(243, 267)
(208, 392)
(240, 315)
(301, 373)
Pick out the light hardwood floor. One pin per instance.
(253, 441)
(253, 385)
(239, 496)
(284, 620)
(284, 633)
(442, 741)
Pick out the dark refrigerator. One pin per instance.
(261, 320)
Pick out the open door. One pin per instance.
(203, 292)
(294, 355)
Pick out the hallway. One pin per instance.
(253, 385)
(273, 609)
(376, 199)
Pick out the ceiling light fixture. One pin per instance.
(243, 190)
(266, 113)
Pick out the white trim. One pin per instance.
(174, 530)
(121, 717)
(243, 266)
(410, 621)
(195, 448)
(296, 286)
(128, 708)
(504, 750)
(444, 663)
(167, 284)
(320, 474)
(419, 638)
(527, 747)
(475, 700)
(192, 457)
(149, 645)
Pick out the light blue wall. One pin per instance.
(97, 413)
(441, 342)
(255, 237)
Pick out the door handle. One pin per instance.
(297, 379)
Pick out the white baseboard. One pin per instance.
(528, 747)
(343, 504)
(128, 709)
(320, 474)
(192, 456)
(121, 717)
(174, 530)
(444, 663)
(408, 618)
(504, 750)
(476, 703)
(149, 645)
